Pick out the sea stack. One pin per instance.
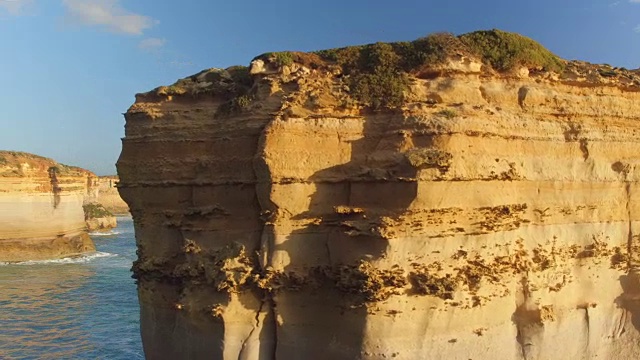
(455, 197)
(109, 197)
(98, 218)
(41, 215)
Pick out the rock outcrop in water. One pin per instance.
(41, 213)
(98, 218)
(450, 198)
(109, 196)
(103, 203)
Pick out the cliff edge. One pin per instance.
(470, 197)
(41, 214)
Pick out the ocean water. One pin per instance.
(83, 308)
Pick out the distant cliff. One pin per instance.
(470, 197)
(98, 218)
(109, 197)
(41, 215)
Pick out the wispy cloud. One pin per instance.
(150, 44)
(14, 7)
(637, 29)
(635, 1)
(108, 14)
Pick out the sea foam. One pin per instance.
(68, 260)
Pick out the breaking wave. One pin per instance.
(68, 260)
(106, 233)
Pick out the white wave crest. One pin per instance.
(69, 260)
(106, 233)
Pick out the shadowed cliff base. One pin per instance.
(451, 197)
(328, 319)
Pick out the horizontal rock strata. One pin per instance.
(489, 216)
(41, 214)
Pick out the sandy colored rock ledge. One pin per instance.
(33, 249)
(421, 200)
(41, 214)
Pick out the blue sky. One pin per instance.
(70, 68)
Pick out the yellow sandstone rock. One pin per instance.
(41, 215)
(461, 207)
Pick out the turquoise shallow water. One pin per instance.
(85, 308)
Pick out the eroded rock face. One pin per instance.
(98, 218)
(491, 216)
(109, 197)
(41, 213)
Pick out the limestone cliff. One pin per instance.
(469, 197)
(109, 197)
(103, 203)
(41, 213)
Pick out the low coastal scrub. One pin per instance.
(234, 106)
(282, 58)
(12, 163)
(505, 51)
(378, 76)
(378, 73)
(95, 211)
(230, 82)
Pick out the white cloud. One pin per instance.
(15, 7)
(151, 43)
(635, 1)
(637, 29)
(108, 14)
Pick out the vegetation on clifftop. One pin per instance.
(378, 72)
(15, 163)
(505, 51)
(95, 211)
(378, 76)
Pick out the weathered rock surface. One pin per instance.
(109, 197)
(41, 213)
(492, 215)
(98, 218)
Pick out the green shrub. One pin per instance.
(241, 76)
(505, 51)
(430, 50)
(236, 105)
(447, 113)
(378, 81)
(376, 78)
(95, 210)
(281, 58)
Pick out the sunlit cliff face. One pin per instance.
(487, 214)
(41, 214)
